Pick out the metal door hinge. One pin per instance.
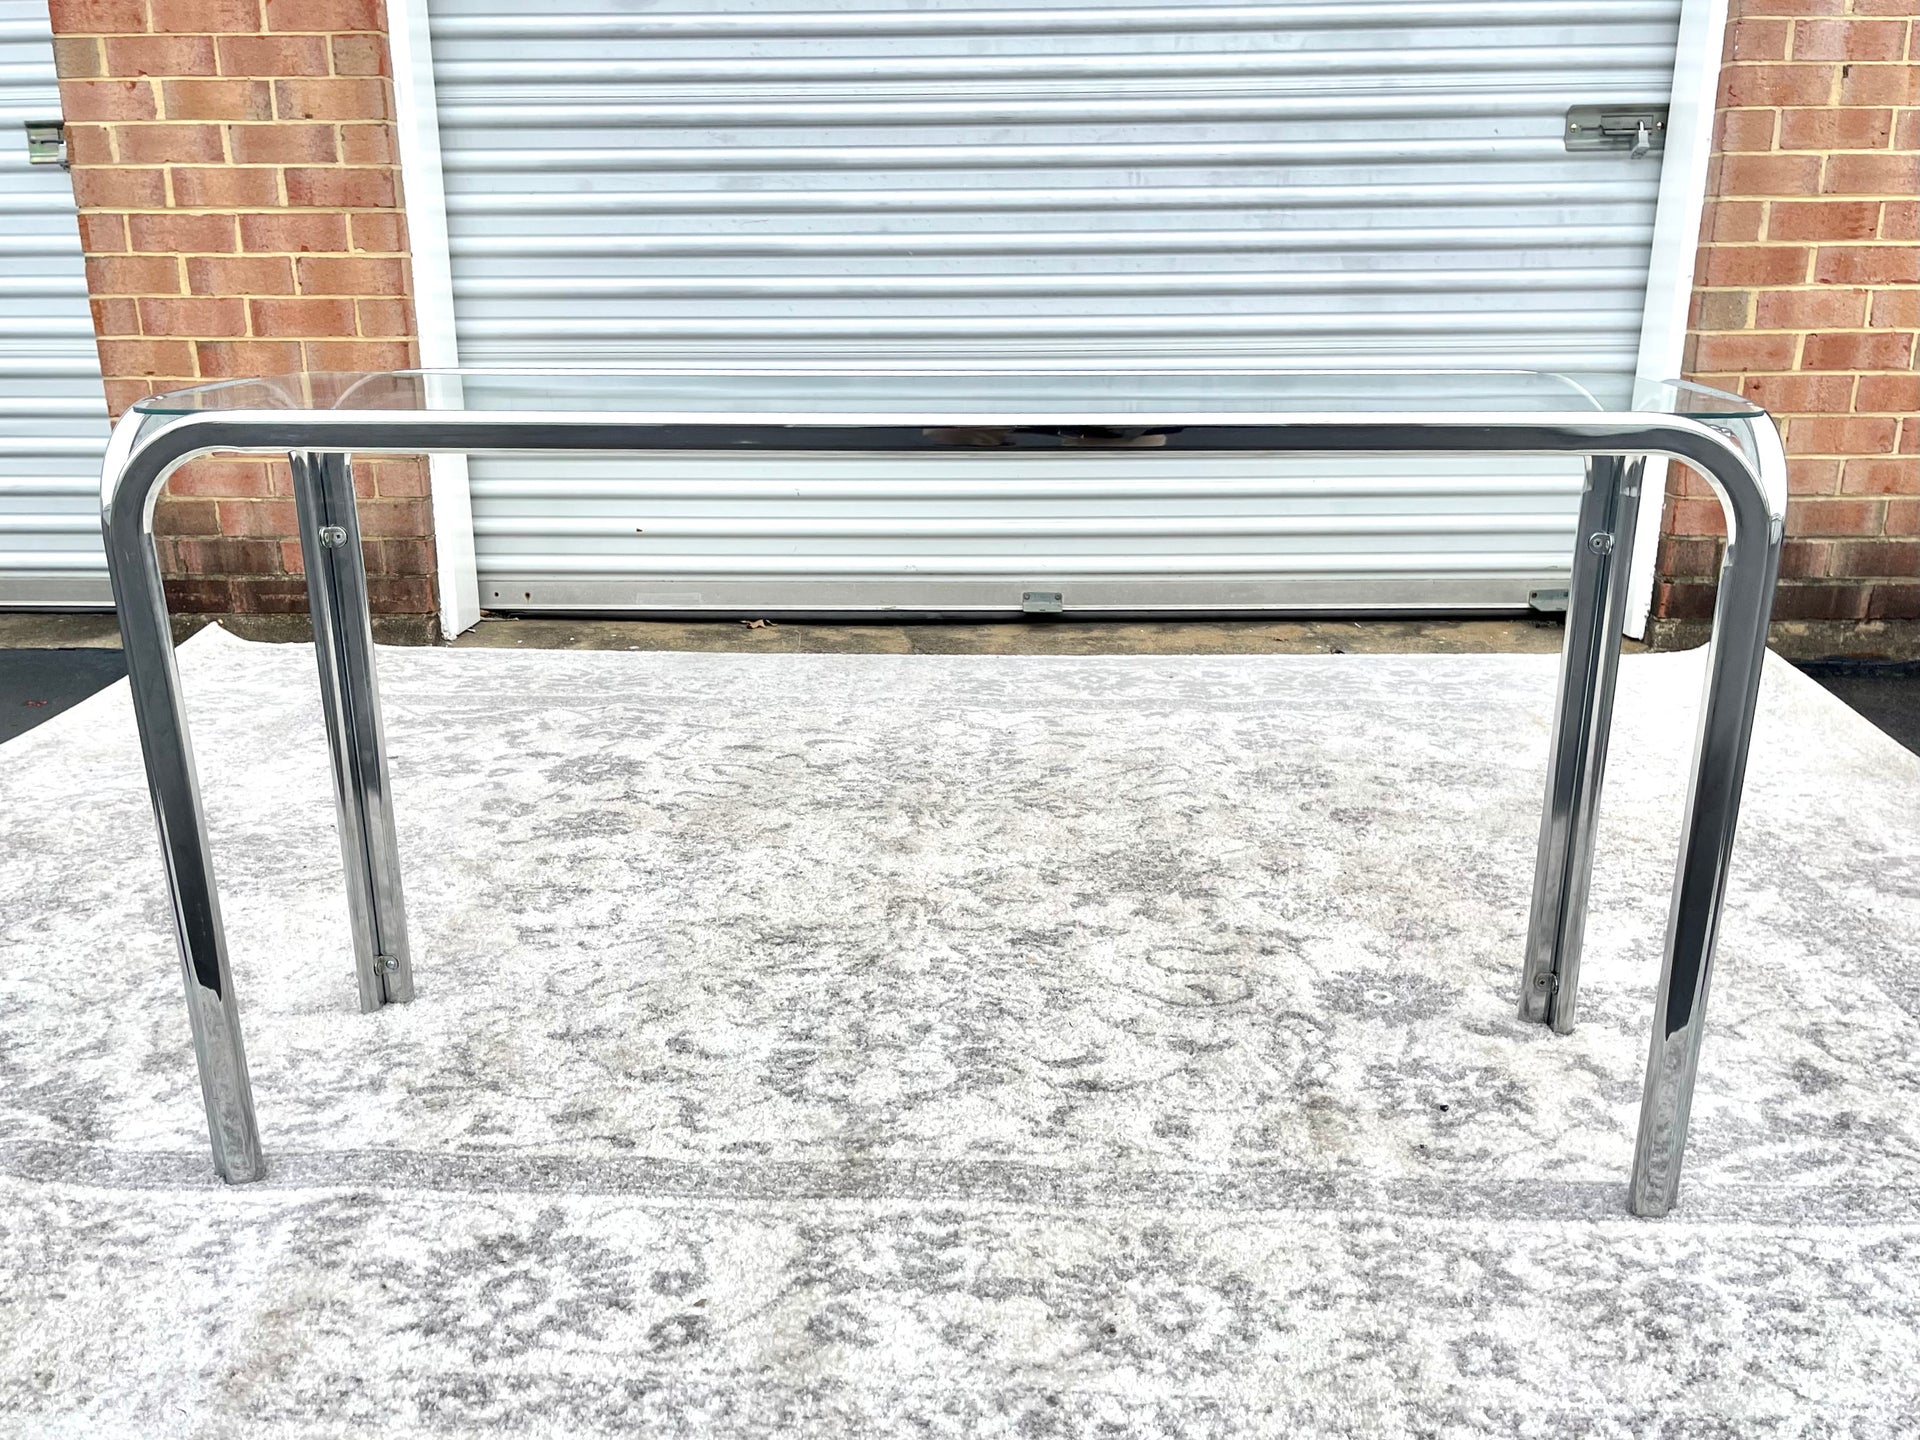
(1637, 129)
(47, 142)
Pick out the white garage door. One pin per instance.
(1377, 183)
(53, 419)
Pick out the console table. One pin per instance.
(319, 420)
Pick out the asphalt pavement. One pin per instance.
(36, 685)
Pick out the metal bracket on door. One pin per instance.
(47, 142)
(1548, 602)
(1637, 129)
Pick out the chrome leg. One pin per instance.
(1577, 762)
(154, 682)
(350, 698)
(1737, 652)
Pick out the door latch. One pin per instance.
(47, 142)
(1637, 129)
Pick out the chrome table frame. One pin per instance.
(1752, 492)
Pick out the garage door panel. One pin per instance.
(1368, 185)
(1088, 526)
(53, 423)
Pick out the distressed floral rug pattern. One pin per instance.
(939, 1046)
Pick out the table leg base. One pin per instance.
(350, 700)
(1577, 760)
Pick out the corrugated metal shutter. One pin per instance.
(53, 420)
(1378, 183)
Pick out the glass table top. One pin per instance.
(868, 391)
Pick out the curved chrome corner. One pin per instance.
(131, 476)
(1754, 496)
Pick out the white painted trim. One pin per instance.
(424, 188)
(1676, 239)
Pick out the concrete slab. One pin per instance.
(1199, 637)
(30, 630)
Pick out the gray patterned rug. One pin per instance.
(854, 1046)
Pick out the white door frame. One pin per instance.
(1676, 242)
(1663, 329)
(423, 188)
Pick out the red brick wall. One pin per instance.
(1805, 299)
(234, 163)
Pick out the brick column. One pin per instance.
(234, 163)
(1806, 301)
